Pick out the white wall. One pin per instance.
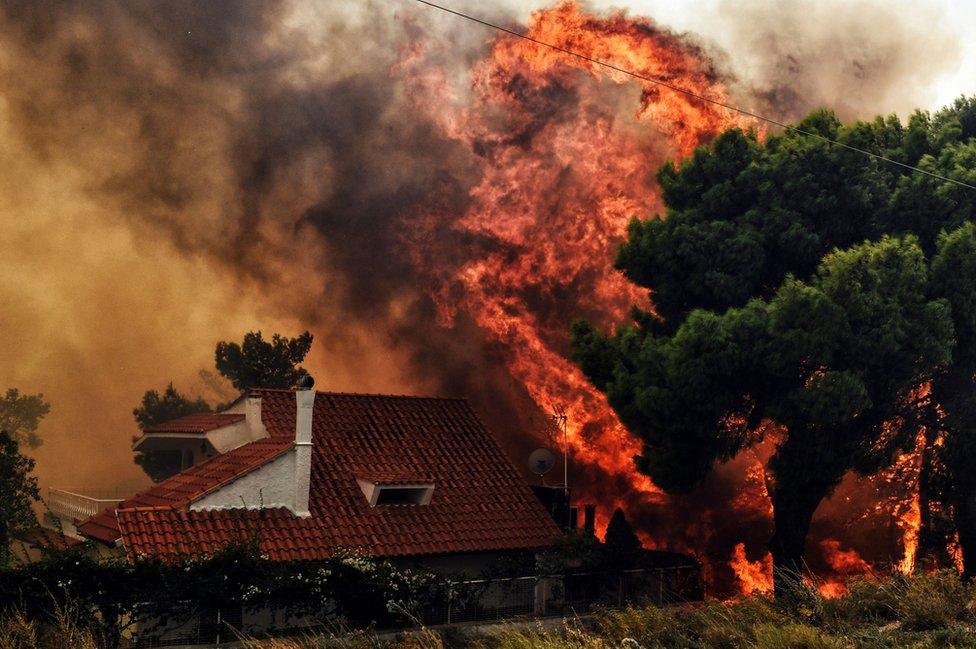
(271, 485)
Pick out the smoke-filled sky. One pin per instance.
(177, 173)
(885, 55)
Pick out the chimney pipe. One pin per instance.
(252, 417)
(304, 401)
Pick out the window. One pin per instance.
(402, 495)
(405, 493)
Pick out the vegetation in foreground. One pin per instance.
(928, 610)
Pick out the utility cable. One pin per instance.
(690, 93)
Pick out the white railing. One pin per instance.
(70, 505)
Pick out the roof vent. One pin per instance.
(383, 494)
(306, 382)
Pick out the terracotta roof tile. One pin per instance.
(200, 422)
(188, 485)
(480, 502)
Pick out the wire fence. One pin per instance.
(482, 600)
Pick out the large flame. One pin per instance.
(568, 161)
(567, 152)
(754, 576)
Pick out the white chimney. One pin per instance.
(305, 401)
(252, 418)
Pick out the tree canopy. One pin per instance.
(791, 297)
(156, 409)
(21, 414)
(18, 490)
(253, 363)
(258, 363)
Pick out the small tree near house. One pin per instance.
(18, 490)
(155, 409)
(253, 363)
(258, 363)
(621, 542)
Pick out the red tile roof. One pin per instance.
(479, 502)
(189, 485)
(42, 537)
(200, 422)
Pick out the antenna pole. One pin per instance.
(565, 457)
(562, 420)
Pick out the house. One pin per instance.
(419, 481)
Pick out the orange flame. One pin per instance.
(563, 173)
(844, 563)
(753, 576)
(564, 155)
(908, 511)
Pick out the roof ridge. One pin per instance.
(174, 482)
(147, 508)
(372, 395)
(286, 445)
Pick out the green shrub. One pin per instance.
(648, 626)
(868, 601)
(793, 636)
(933, 601)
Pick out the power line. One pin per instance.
(690, 93)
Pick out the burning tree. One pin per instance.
(954, 391)
(755, 334)
(830, 361)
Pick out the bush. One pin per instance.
(109, 598)
(649, 627)
(925, 611)
(933, 601)
(793, 636)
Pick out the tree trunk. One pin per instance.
(4, 542)
(964, 514)
(926, 528)
(793, 510)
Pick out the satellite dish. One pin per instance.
(541, 461)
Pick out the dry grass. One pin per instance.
(927, 611)
(62, 631)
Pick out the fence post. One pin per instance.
(450, 600)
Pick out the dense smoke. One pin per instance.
(178, 173)
(860, 58)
